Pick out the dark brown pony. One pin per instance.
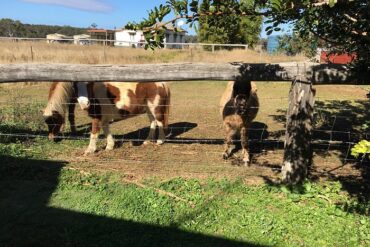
(61, 102)
(239, 106)
(110, 101)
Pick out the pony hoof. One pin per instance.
(147, 142)
(225, 156)
(160, 142)
(88, 152)
(247, 162)
(108, 148)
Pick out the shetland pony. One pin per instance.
(61, 101)
(110, 101)
(239, 106)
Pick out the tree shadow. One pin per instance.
(26, 186)
(259, 143)
(15, 133)
(338, 125)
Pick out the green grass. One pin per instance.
(45, 202)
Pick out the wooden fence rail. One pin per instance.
(308, 72)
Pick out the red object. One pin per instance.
(337, 58)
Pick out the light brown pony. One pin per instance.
(61, 101)
(110, 101)
(239, 106)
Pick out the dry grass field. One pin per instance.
(41, 52)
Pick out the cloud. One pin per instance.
(86, 5)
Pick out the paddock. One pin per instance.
(194, 147)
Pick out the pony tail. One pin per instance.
(167, 104)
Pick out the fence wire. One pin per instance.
(195, 133)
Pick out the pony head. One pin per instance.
(61, 95)
(54, 121)
(241, 104)
(82, 95)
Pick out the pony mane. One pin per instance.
(60, 98)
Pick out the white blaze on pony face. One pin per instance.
(83, 97)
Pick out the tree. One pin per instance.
(294, 44)
(93, 25)
(12, 28)
(232, 29)
(343, 24)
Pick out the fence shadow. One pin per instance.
(25, 189)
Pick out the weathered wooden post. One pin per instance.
(297, 146)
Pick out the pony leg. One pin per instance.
(161, 134)
(228, 142)
(95, 129)
(71, 117)
(244, 143)
(110, 139)
(153, 126)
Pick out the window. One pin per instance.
(132, 36)
(175, 38)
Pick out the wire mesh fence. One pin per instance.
(195, 137)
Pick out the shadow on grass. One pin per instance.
(25, 189)
(338, 125)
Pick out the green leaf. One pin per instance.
(332, 3)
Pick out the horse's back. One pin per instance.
(133, 97)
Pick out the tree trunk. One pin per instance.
(298, 152)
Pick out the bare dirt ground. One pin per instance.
(195, 145)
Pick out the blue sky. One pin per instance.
(79, 13)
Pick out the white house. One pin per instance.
(58, 38)
(129, 38)
(132, 38)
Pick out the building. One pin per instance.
(129, 38)
(58, 38)
(106, 36)
(132, 38)
(82, 39)
(327, 57)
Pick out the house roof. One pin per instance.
(170, 27)
(100, 31)
(58, 35)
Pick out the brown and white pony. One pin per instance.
(239, 106)
(61, 101)
(110, 101)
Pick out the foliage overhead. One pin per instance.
(231, 29)
(343, 24)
